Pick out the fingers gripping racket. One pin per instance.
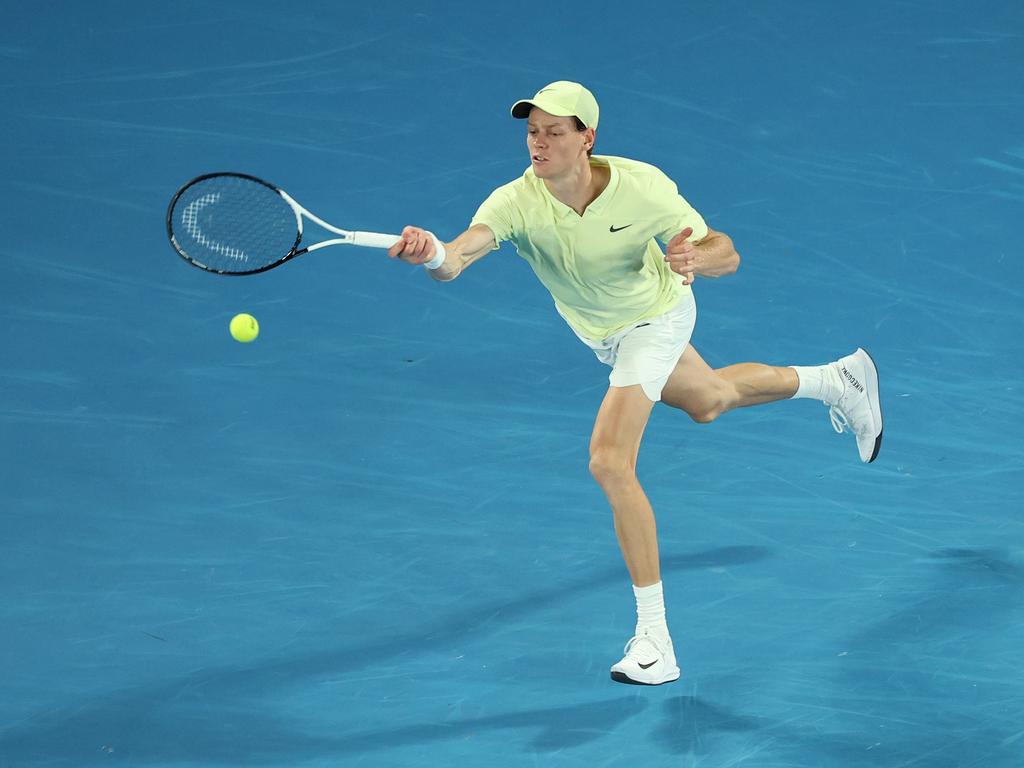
(236, 224)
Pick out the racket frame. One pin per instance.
(348, 237)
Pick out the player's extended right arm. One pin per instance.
(417, 247)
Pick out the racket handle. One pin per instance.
(378, 240)
(374, 239)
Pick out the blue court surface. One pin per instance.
(370, 538)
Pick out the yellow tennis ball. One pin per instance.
(244, 328)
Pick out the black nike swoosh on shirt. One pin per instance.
(619, 229)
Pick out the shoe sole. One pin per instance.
(876, 403)
(620, 677)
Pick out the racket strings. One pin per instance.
(233, 224)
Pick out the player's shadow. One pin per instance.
(553, 729)
(692, 726)
(973, 588)
(214, 731)
(891, 700)
(227, 715)
(688, 723)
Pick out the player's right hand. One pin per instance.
(415, 247)
(681, 255)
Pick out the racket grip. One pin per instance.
(374, 239)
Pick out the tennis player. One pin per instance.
(589, 226)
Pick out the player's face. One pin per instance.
(554, 143)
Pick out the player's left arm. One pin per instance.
(712, 256)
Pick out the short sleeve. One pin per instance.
(676, 213)
(499, 213)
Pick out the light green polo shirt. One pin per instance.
(604, 269)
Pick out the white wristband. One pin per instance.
(439, 253)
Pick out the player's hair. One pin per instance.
(581, 127)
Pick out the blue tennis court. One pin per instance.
(370, 538)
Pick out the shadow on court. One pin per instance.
(221, 714)
(913, 705)
(693, 726)
(180, 732)
(556, 728)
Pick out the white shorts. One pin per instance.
(646, 353)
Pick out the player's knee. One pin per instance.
(704, 415)
(714, 402)
(610, 466)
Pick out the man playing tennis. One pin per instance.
(589, 227)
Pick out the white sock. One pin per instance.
(650, 609)
(819, 382)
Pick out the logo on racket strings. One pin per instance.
(190, 220)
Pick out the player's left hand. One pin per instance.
(681, 255)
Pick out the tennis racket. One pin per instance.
(236, 224)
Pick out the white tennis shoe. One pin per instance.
(649, 660)
(859, 408)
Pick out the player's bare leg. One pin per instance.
(614, 448)
(848, 386)
(706, 393)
